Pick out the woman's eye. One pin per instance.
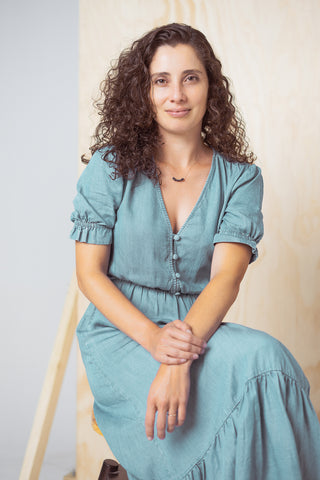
(191, 78)
(160, 81)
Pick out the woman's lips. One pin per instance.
(178, 113)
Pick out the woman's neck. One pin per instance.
(181, 152)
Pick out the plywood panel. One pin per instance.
(270, 51)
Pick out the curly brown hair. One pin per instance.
(128, 126)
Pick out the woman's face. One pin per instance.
(179, 89)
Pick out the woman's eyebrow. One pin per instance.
(193, 70)
(159, 73)
(185, 72)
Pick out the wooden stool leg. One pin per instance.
(112, 470)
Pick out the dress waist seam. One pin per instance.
(117, 281)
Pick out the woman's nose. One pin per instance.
(177, 93)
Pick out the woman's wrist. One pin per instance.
(187, 365)
(183, 367)
(148, 338)
(173, 344)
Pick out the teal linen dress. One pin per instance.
(249, 414)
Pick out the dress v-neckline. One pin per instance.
(194, 208)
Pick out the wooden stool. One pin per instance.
(110, 470)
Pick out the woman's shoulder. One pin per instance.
(102, 162)
(232, 170)
(98, 179)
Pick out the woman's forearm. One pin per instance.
(169, 391)
(115, 306)
(173, 344)
(211, 306)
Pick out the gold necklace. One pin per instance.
(183, 179)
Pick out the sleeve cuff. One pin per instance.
(92, 233)
(237, 238)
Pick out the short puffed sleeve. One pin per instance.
(96, 203)
(242, 220)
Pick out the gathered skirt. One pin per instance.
(249, 415)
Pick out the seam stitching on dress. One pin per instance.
(93, 360)
(262, 374)
(97, 363)
(87, 225)
(236, 234)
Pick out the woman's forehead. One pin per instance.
(172, 58)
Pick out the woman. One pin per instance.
(167, 218)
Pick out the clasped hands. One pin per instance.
(175, 347)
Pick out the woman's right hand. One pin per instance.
(175, 343)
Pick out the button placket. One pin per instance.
(175, 257)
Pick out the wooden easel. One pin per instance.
(43, 419)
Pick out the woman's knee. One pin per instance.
(252, 352)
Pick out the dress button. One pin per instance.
(177, 293)
(175, 256)
(176, 237)
(178, 275)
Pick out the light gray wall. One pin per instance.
(38, 125)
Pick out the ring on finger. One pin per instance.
(171, 414)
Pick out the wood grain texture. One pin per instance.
(270, 50)
(51, 387)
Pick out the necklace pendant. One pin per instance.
(178, 179)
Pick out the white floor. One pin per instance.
(55, 468)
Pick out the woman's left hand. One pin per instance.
(168, 397)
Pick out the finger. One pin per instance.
(176, 357)
(167, 360)
(149, 420)
(161, 423)
(182, 325)
(177, 347)
(180, 330)
(182, 411)
(182, 348)
(181, 354)
(187, 337)
(172, 418)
